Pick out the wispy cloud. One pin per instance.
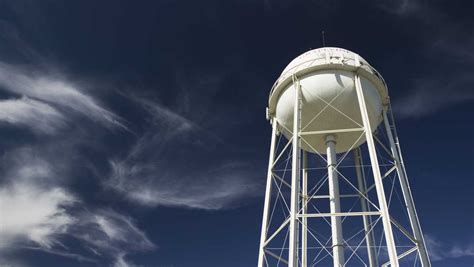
(443, 41)
(398, 7)
(167, 167)
(439, 250)
(455, 45)
(426, 100)
(37, 212)
(38, 116)
(8, 261)
(43, 82)
(43, 164)
(109, 234)
(121, 262)
(13, 42)
(53, 89)
(162, 185)
(44, 218)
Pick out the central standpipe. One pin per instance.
(335, 203)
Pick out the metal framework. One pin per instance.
(323, 210)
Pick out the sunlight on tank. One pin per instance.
(326, 75)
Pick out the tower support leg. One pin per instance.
(407, 196)
(304, 210)
(334, 203)
(295, 180)
(268, 194)
(362, 186)
(387, 226)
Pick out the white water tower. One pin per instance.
(330, 110)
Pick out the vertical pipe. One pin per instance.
(407, 196)
(304, 210)
(387, 226)
(268, 194)
(295, 175)
(335, 203)
(362, 186)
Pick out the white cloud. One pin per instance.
(439, 250)
(120, 262)
(52, 89)
(38, 214)
(33, 214)
(36, 211)
(33, 217)
(108, 228)
(32, 165)
(38, 116)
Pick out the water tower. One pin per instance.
(337, 192)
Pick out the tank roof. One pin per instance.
(326, 58)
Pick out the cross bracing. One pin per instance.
(374, 201)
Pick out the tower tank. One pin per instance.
(326, 76)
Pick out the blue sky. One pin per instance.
(134, 134)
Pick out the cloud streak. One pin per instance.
(209, 189)
(40, 117)
(165, 167)
(424, 100)
(443, 87)
(110, 234)
(439, 251)
(52, 89)
(398, 7)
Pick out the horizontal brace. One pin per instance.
(332, 131)
(338, 214)
(327, 196)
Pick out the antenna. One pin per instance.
(323, 39)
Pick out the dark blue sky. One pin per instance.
(134, 133)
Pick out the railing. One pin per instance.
(344, 61)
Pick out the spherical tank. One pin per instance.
(329, 99)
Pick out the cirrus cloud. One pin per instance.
(161, 169)
(54, 90)
(40, 117)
